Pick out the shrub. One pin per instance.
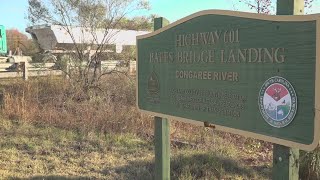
(310, 164)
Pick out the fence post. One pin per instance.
(162, 132)
(285, 159)
(67, 73)
(132, 67)
(25, 65)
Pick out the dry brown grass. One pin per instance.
(57, 102)
(110, 109)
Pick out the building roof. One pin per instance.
(52, 36)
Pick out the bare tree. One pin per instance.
(259, 6)
(97, 20)
(19, 43)
(268, 6)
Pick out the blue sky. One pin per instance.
(15, 11)
(177, 9)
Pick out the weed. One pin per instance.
(310, 164)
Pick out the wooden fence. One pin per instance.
(115, 65)
(25, 69)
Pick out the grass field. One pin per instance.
(37, 152)
(51, 128)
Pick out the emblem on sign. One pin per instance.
(277, 102)
(153, 88)
(153, 84)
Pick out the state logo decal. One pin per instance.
(153, 88)
(277, 102)
(153, 84)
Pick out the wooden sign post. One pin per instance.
(249, 74)
(161, 132)
(285, 159)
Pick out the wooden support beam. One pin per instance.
(162, 148)
(285, 163)
(285, 159)
(162, 132)
(290, 7)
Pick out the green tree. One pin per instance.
(137, 23)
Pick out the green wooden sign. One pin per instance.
(249, 74)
